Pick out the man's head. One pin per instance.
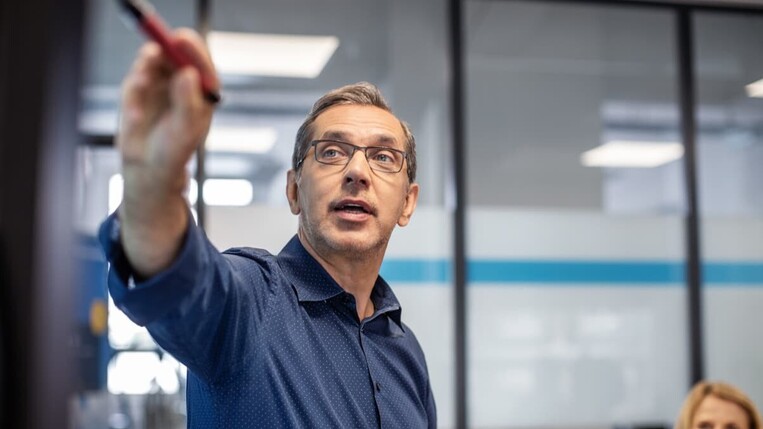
(358, 94)
(353, 174)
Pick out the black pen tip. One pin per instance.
(212, 97)
(132, 7)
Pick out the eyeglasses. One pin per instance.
(380, 158)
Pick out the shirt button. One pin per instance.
(378, 387)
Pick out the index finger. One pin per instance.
(193, 46)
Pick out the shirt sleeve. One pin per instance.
(205, 309)
(431, 408)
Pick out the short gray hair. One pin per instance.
(361, 94)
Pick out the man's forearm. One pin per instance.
(154, 216)
(164, 119)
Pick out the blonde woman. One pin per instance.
(718, 405)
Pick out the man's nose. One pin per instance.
(358, 170)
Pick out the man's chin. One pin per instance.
(352, 245)
(355, 244)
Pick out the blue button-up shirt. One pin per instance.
(273, 341)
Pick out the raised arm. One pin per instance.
(164, 118)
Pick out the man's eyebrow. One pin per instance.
(385, 139)
(336, 135)
(380, 139)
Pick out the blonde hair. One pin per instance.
(720, 390)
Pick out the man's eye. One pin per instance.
(332, 153)
(384, 157)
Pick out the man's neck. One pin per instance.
(357, 276)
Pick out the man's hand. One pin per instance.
(164, 119)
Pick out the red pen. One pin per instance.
(153, 26)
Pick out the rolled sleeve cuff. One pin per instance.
(146, 301)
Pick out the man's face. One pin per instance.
(351, 210)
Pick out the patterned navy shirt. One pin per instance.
(273, 341)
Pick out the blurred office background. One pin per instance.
(589, 237)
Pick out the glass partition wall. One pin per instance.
(576, 296)
(293, 52)
(576, 310)
(402, 48)
(730, 154)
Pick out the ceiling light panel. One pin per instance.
(755, 89)
(632, 154)
(275, 55)
(241, 139)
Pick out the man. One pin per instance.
(311, 337)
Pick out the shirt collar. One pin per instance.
(312, 283)
(385, 301)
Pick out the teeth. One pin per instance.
(352, 207)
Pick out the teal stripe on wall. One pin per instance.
(555, 272)
(747, 273)
(483, 271)
(416, 270)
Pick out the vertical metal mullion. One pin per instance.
(202, 26)
(458, 102)
(687, 90)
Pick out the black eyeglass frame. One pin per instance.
(355, 148)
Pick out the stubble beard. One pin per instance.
(326, 242)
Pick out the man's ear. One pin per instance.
(292, 191)
(409, 205)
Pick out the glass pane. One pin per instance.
(399, 46)
(575, 234)
(730, 155)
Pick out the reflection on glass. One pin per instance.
(576, 297)
(276, 55)
(400, 46)
(730, 155)
(217, 192)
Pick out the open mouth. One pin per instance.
(352, 208)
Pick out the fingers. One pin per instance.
(164, 113)
(192, 45)
(149, 76)
(186, 93)
(190, 114)
(144, 93)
